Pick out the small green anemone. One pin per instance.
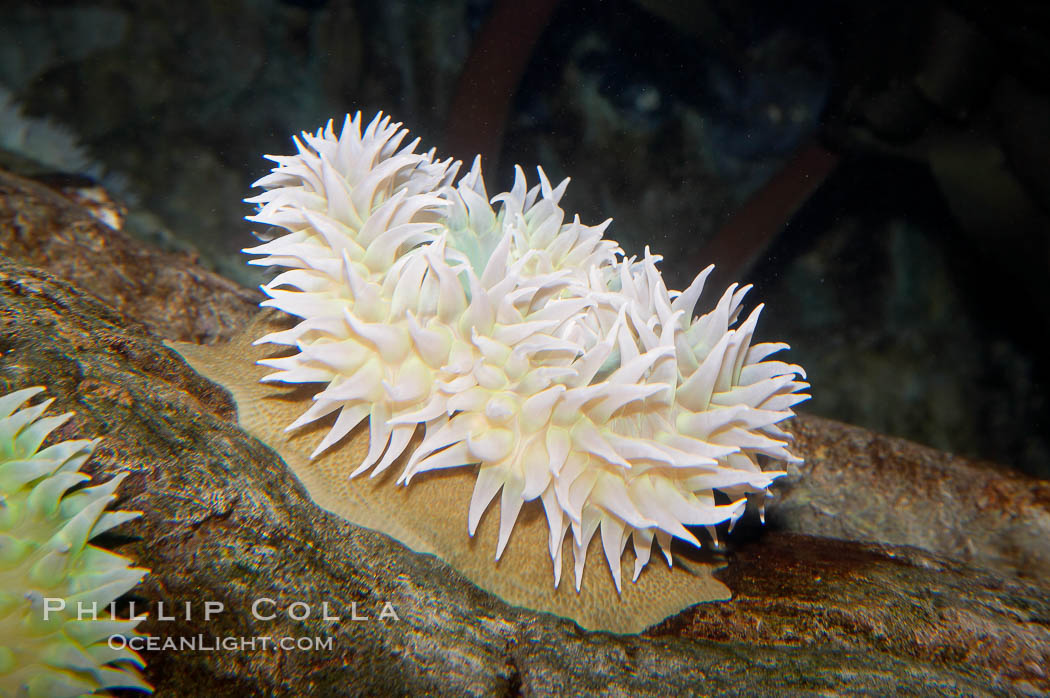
(49, 574)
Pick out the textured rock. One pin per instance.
(802, 591)
(859, 485)
(225, 521)
(168, 294)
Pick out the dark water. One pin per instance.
(907, 270)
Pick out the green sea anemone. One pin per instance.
(56, 591)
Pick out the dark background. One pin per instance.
(879, 171)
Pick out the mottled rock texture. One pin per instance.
(167, 294)
(859, 485)
(225, 521)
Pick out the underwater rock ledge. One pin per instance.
(224, 520)
(168, 293)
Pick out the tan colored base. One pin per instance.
(430, 515)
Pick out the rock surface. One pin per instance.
(859, 485)
(225, 521)
(168, 294)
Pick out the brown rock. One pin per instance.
(169, 294)
(225, 521)
(803, 591)
(859, 485)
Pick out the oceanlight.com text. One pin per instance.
(214, 643)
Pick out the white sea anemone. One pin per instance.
(522, 344)
(48, 572)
